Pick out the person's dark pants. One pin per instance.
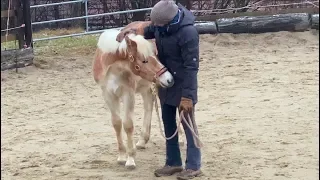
(193, 160)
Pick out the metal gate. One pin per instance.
(86, 17)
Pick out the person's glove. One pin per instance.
(186, 105)
(123, 34)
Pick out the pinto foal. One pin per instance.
(122, 70)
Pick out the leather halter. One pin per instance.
(137, 67)
(160, 72)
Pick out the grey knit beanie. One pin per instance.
(163, 12)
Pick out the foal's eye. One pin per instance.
(145, 61)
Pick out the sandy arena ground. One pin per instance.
(257, 114)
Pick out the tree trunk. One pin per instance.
(315, 21)
(138, 4)
(56, 14)
(16, 58)
(76, 11)
(261, 24)
(206, 27)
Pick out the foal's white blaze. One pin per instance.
(166, 79)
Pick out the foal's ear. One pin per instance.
(130, 43)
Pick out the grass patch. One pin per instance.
(9, 45)
(56, 32)
(71, 45)
(80, 45)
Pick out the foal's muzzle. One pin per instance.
(164, 78)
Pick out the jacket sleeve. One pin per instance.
(149, 32)
(189, 44)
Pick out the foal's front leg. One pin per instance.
(128, 100)
(114, 106)
(148, 100)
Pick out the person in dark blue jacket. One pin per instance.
(177, 40)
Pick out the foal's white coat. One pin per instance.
(119, 83)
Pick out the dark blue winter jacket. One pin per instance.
(178, 50)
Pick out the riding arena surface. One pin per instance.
(257, 115)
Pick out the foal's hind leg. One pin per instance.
(128, 100)
(114, 105)
(146, 127)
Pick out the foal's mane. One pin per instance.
(144, 47)
(107, 43)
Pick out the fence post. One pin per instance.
(19, 22)
(27, 22)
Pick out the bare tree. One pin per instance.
(241, 3)
(221, 4)
(186, 3)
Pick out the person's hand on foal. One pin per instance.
(125, 32)
(186, 105)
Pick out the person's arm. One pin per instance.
(149, 32)
(123, 33)
(189, 43)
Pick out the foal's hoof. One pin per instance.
(130, 167)
(141, 145)
(120, 162)
(130, 164)
(122, 159)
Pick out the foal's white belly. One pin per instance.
(113, 84)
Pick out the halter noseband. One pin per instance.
(159, 73)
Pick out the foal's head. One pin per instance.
(144, 62)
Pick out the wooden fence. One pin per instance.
(17, 30)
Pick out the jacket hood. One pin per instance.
(186, 19)
(187, 16)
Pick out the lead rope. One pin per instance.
(189, 124)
